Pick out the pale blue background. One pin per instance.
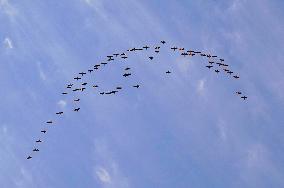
(187, 129)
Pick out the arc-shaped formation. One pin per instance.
(214, 62)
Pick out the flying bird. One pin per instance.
(174, 48)
(76, 109)
(137, 86)
(151, 57)
(209, 66)
(244, 97)
(146, 47)
(126, 74)
(168, 72)
(82, 73)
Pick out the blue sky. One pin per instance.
(187, 129)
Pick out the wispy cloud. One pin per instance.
(103, 175)
(62, 104)
(201, 86)
(7, 8)
(106, 169)
(8, 43)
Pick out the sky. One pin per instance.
(186, 129)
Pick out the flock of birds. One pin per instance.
(214, 63)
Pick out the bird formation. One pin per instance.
(214, 63)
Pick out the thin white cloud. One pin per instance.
(103, 175)
(8, 43)
(7, 8)
(62, 103)
(41, 72)
(108, 171)
(222, 130)
(201, 87)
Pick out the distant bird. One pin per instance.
(102, 93)
(43, 131)
(126, 74)
(184, 54)
(209, 66)
(230, 72)
(49, 122)
(77, 78)
(236, 77)
(94, 86)
(163, 42)
(226, 70)
(174, 48)
(219, 64)
(38, 141)
(221, 60)
(29, 157)
(76, 109)
(64, 93)
(83, 88)
(137, 86)
(238, 93)
(103, 63)
(116, 55)
(211, 62)
(109, 56)
(83, 84)
(124, 57)
(217, 71)
(157, 51)
(158, 47)
(90, 70)
(59, 113)
(122, 54)
(35, 149)
(118, 87)
(168, 72)
(113, 92)
(76, 100)
(181, 49)
(197, 52)
(151, 57)
(127, 68)
(214, 56)
(244, 97)
(146, 47)
(77, 89)
(82, 73)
